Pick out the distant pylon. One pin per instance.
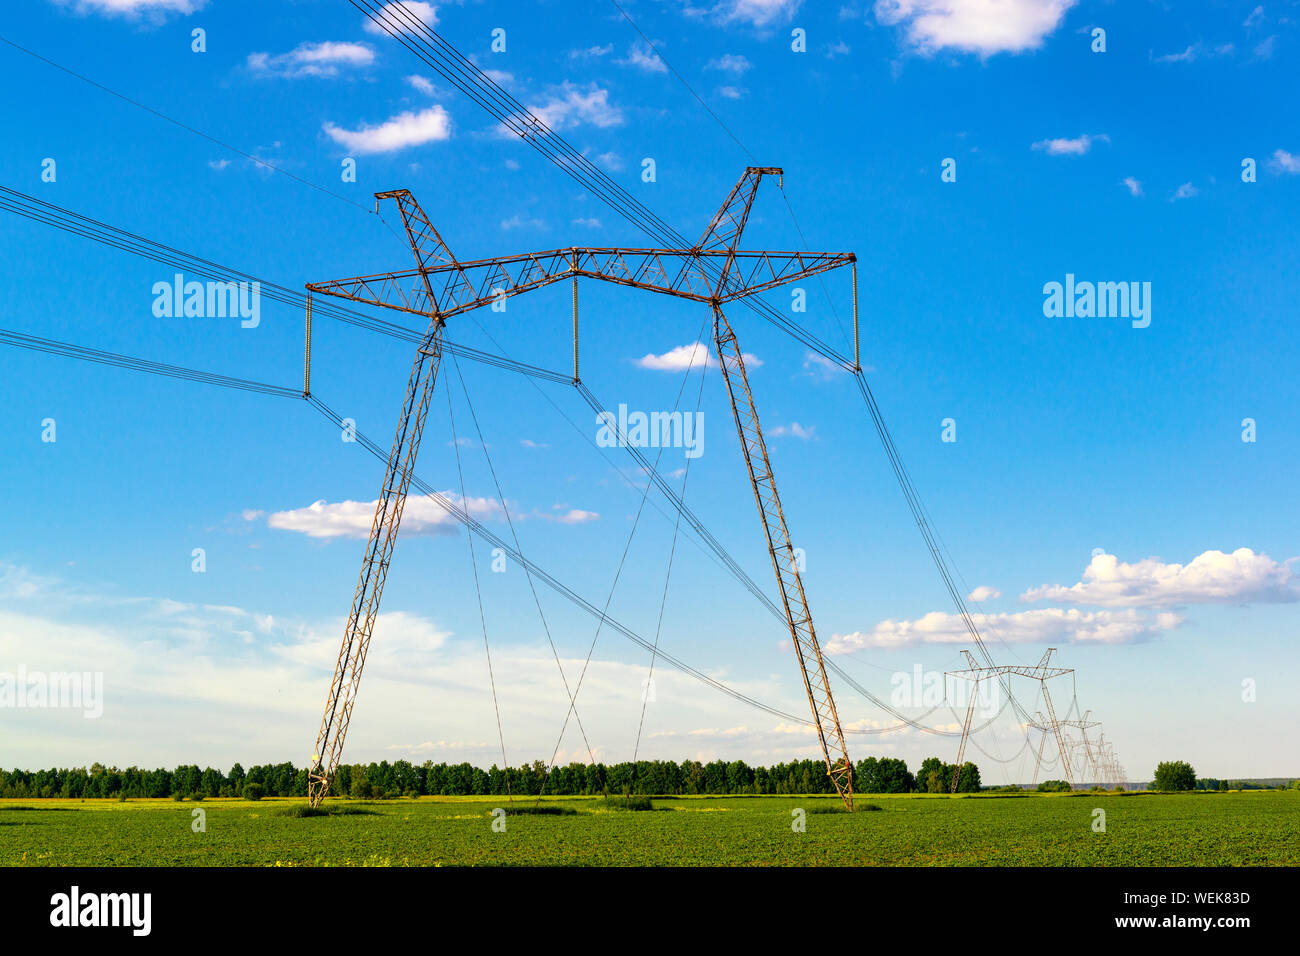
(1042, 671)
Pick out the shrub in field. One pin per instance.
(178, 796)
(1054, 786)
(253, 791)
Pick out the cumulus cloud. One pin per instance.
(155, 10)
(642, 57)
(403, 130)
(819, 367)
(398, 17)
(1284, 162)
(570, 105)
(758, 13)
(687, 356)
(1069, 147)
(422, 83)
(794, 430)
(730, 63)
(1134, 186)
(352, 519)
(1213, 577)
(1046, 625)
(985, 27)
(1185, 191)
(312, 59)
(984, 593)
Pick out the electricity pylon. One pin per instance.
(1110, 765)
(1083, 724)
(975, 672)
(714, 271)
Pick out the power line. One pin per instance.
(185, 126)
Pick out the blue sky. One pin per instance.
(1099, 489)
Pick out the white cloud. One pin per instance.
(1046, 625)
(687, 356)
(1254, 19)
(1070, 147)
(400, 20)
(1264, 49)
(1284, 162)
(155, 10)
(838, 48)
(519, 222)
(819, 367)
(422, 83)
(1195, 52)
(352, 519)
(985, 27)
(1185, 191)
(794, 430)
(1187, 56)
(984, 593)
(529, 443)
(218, 164)
(642, 57)
(731, 92)
(730, 63)
(577, 516)
(403, 130)
(500, 77)
(586, 222)
(1212, 577)
(1134, 187)
(170, 666)
(591, 51)
(569, 105)
(759, 13)
(312, 59)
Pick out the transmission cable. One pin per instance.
(478, 593)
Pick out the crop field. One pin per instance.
(1210, 829)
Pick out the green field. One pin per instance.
(1212, 829)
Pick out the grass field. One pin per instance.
(1212, 829)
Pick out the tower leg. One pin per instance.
(798, 617)
(1038, 761)
(374, 568)
(965, 734)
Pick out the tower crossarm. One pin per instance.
(678, 272)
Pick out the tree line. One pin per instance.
(402, 778)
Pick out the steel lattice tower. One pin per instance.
(714, 272)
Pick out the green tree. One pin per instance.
(1174, 775)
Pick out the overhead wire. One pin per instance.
(521, 121)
